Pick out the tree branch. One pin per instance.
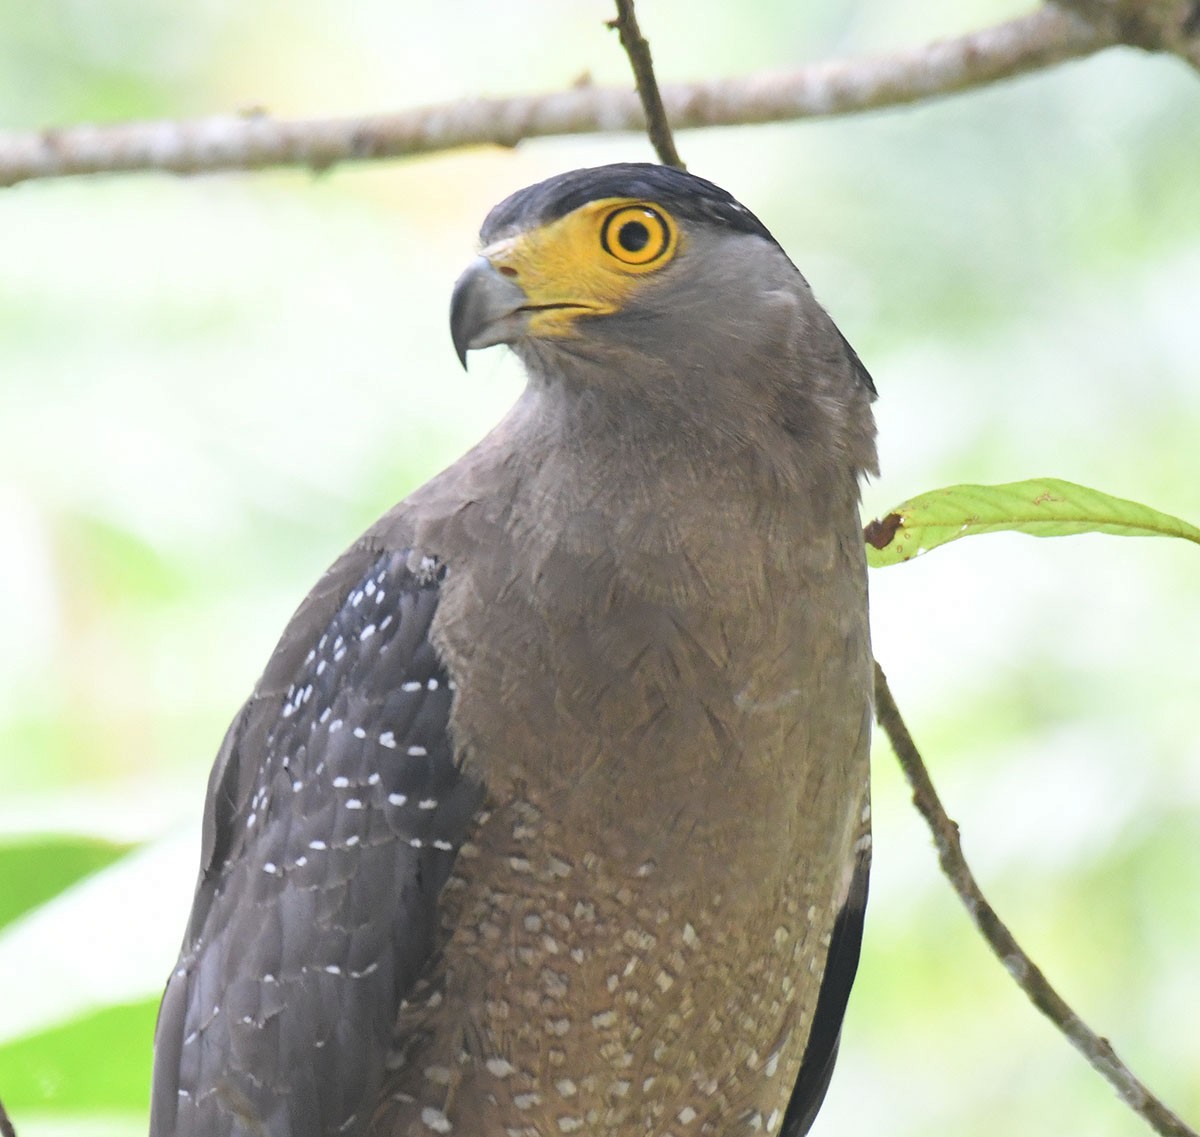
(945, 832)
(1171, 26)
(657, 125)
(255, 140)
(1024, 971)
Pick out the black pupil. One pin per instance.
(633, 236)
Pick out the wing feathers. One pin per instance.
(816, 1068)
(334, 815)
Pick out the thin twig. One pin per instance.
(638, 49)
(255, 140)
(1024, 971)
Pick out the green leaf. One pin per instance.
(100, 1061)
(1041, 507)
(36, 869)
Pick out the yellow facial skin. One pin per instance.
(587, 263)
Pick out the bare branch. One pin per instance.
(1171, 26)
(6, 1126)
(638, 50)
(1024, 971)
(252, 141)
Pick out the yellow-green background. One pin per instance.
(208, 386)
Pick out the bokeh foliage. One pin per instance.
(208, 386)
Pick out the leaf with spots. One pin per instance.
(1040, 507)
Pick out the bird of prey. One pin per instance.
(549, 813)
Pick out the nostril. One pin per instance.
(506, 270)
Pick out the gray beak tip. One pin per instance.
(482, 308)
(460, 349)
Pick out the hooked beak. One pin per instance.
(486, 308)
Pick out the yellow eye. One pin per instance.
(638, 236)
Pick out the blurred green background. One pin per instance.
(209, 386)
